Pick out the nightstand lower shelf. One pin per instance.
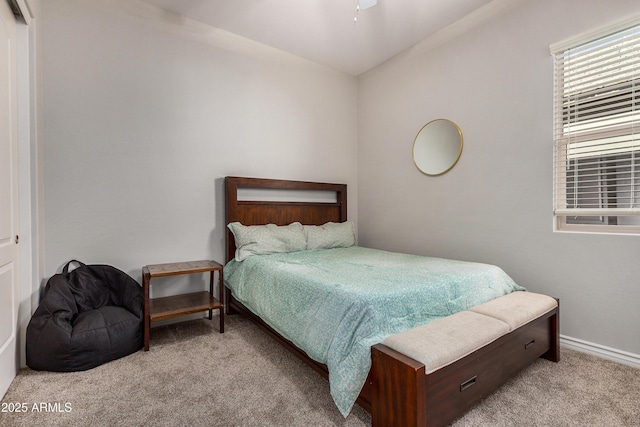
(180, 305)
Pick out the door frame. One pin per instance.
(28, 160)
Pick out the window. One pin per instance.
(597, 131)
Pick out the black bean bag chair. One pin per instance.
(87, 317)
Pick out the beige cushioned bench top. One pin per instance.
(446, 340)
(517, 308)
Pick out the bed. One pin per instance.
(397, 389)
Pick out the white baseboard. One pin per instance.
(609, 353)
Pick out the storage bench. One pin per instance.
(458, 360)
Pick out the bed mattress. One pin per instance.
(336, 303)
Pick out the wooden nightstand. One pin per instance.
(179, 305)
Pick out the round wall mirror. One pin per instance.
(437, 147)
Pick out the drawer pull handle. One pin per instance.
(529, 344)
(468, 383)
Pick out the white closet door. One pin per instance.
(9, 280)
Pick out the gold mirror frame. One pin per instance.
(437, 147)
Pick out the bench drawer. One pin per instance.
(461, 385)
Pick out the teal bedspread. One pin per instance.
(336, 303)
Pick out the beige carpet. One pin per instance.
(193, 376)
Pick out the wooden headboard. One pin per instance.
(260, 212)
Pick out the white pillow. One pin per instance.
(267, 239)
(330, 235)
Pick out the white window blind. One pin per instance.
(597, 126)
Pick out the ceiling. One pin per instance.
(324, 31)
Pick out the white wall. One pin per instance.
(146, 112)
(495, 205)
